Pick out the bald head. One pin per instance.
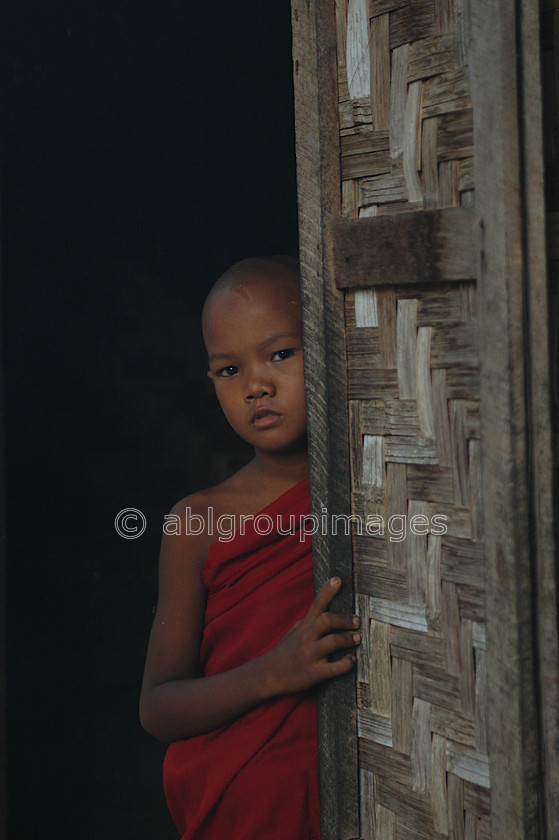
(280, 273)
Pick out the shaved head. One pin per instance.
(278, 272)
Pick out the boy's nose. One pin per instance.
(258, 388)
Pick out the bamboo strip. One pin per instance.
(424, 396)
(366, 314)
(455, 806)
(421, 746)
(477, 800)
(429, 482)
(406, 348)
(374, 727)
(367, 805)
(373, 578)
(373, 465)
(412, 22)
(389, 417)
(363, 650)
(412, 123)
(431, 57)
(429, 166)
(398, 97)
(380, 72)
(441, 420)
(396, 505)
(438, 785)
(467, 764)
(451, 623)
(357, 49)
(436, 687)
(417, 554)
(401, 685)
(453, 725)
(386, 301)
(398, 614)
(382, 760)
(381, 698)
(433, 593)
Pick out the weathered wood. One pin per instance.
(431, 57)
(446, 93)
(357, 49)
(386, 417)
(374, 727)
(412, 22)
(429, 162)
(398, 97)
(376, 580)
(411, 137)
(503, 233)
(449, 183)
(380, 72)
(366, 140)
(408, 269)
(539, 420)
(434, 246)
(384, 188)
(365, 165)
(318, 176)
(455, 137)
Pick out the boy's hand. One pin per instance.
(301, 658)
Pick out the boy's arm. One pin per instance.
(176, 702)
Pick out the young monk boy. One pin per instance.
(238, 643)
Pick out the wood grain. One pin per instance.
(434, 246)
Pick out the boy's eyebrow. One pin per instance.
(262, 346)
(276, 337)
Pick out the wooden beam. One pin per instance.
(435, 246)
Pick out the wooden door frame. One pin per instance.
(318, 178)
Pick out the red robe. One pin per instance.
(256, 778)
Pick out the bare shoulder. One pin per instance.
(227, 497)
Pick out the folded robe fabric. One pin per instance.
(256, 778)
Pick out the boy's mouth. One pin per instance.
(264, 418)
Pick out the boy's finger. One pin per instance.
(328, 622)
(340, 666)
(336, 641)
(323, 597)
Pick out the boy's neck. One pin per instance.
(284, 470)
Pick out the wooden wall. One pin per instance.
(421, 225)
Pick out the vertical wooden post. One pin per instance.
(314, 62)
(516, 444)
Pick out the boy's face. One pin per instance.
(255, 349)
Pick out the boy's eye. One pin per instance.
(280, 355)
(230, 370)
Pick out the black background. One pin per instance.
(146, 146)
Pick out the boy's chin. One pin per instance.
(296, 447)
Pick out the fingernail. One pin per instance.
(356, 621)
(334, 581)
(357, 637)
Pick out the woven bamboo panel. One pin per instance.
(405, 110)
(413, 375)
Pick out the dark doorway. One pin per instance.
(147, 145)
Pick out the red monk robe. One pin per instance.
(256, 778)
